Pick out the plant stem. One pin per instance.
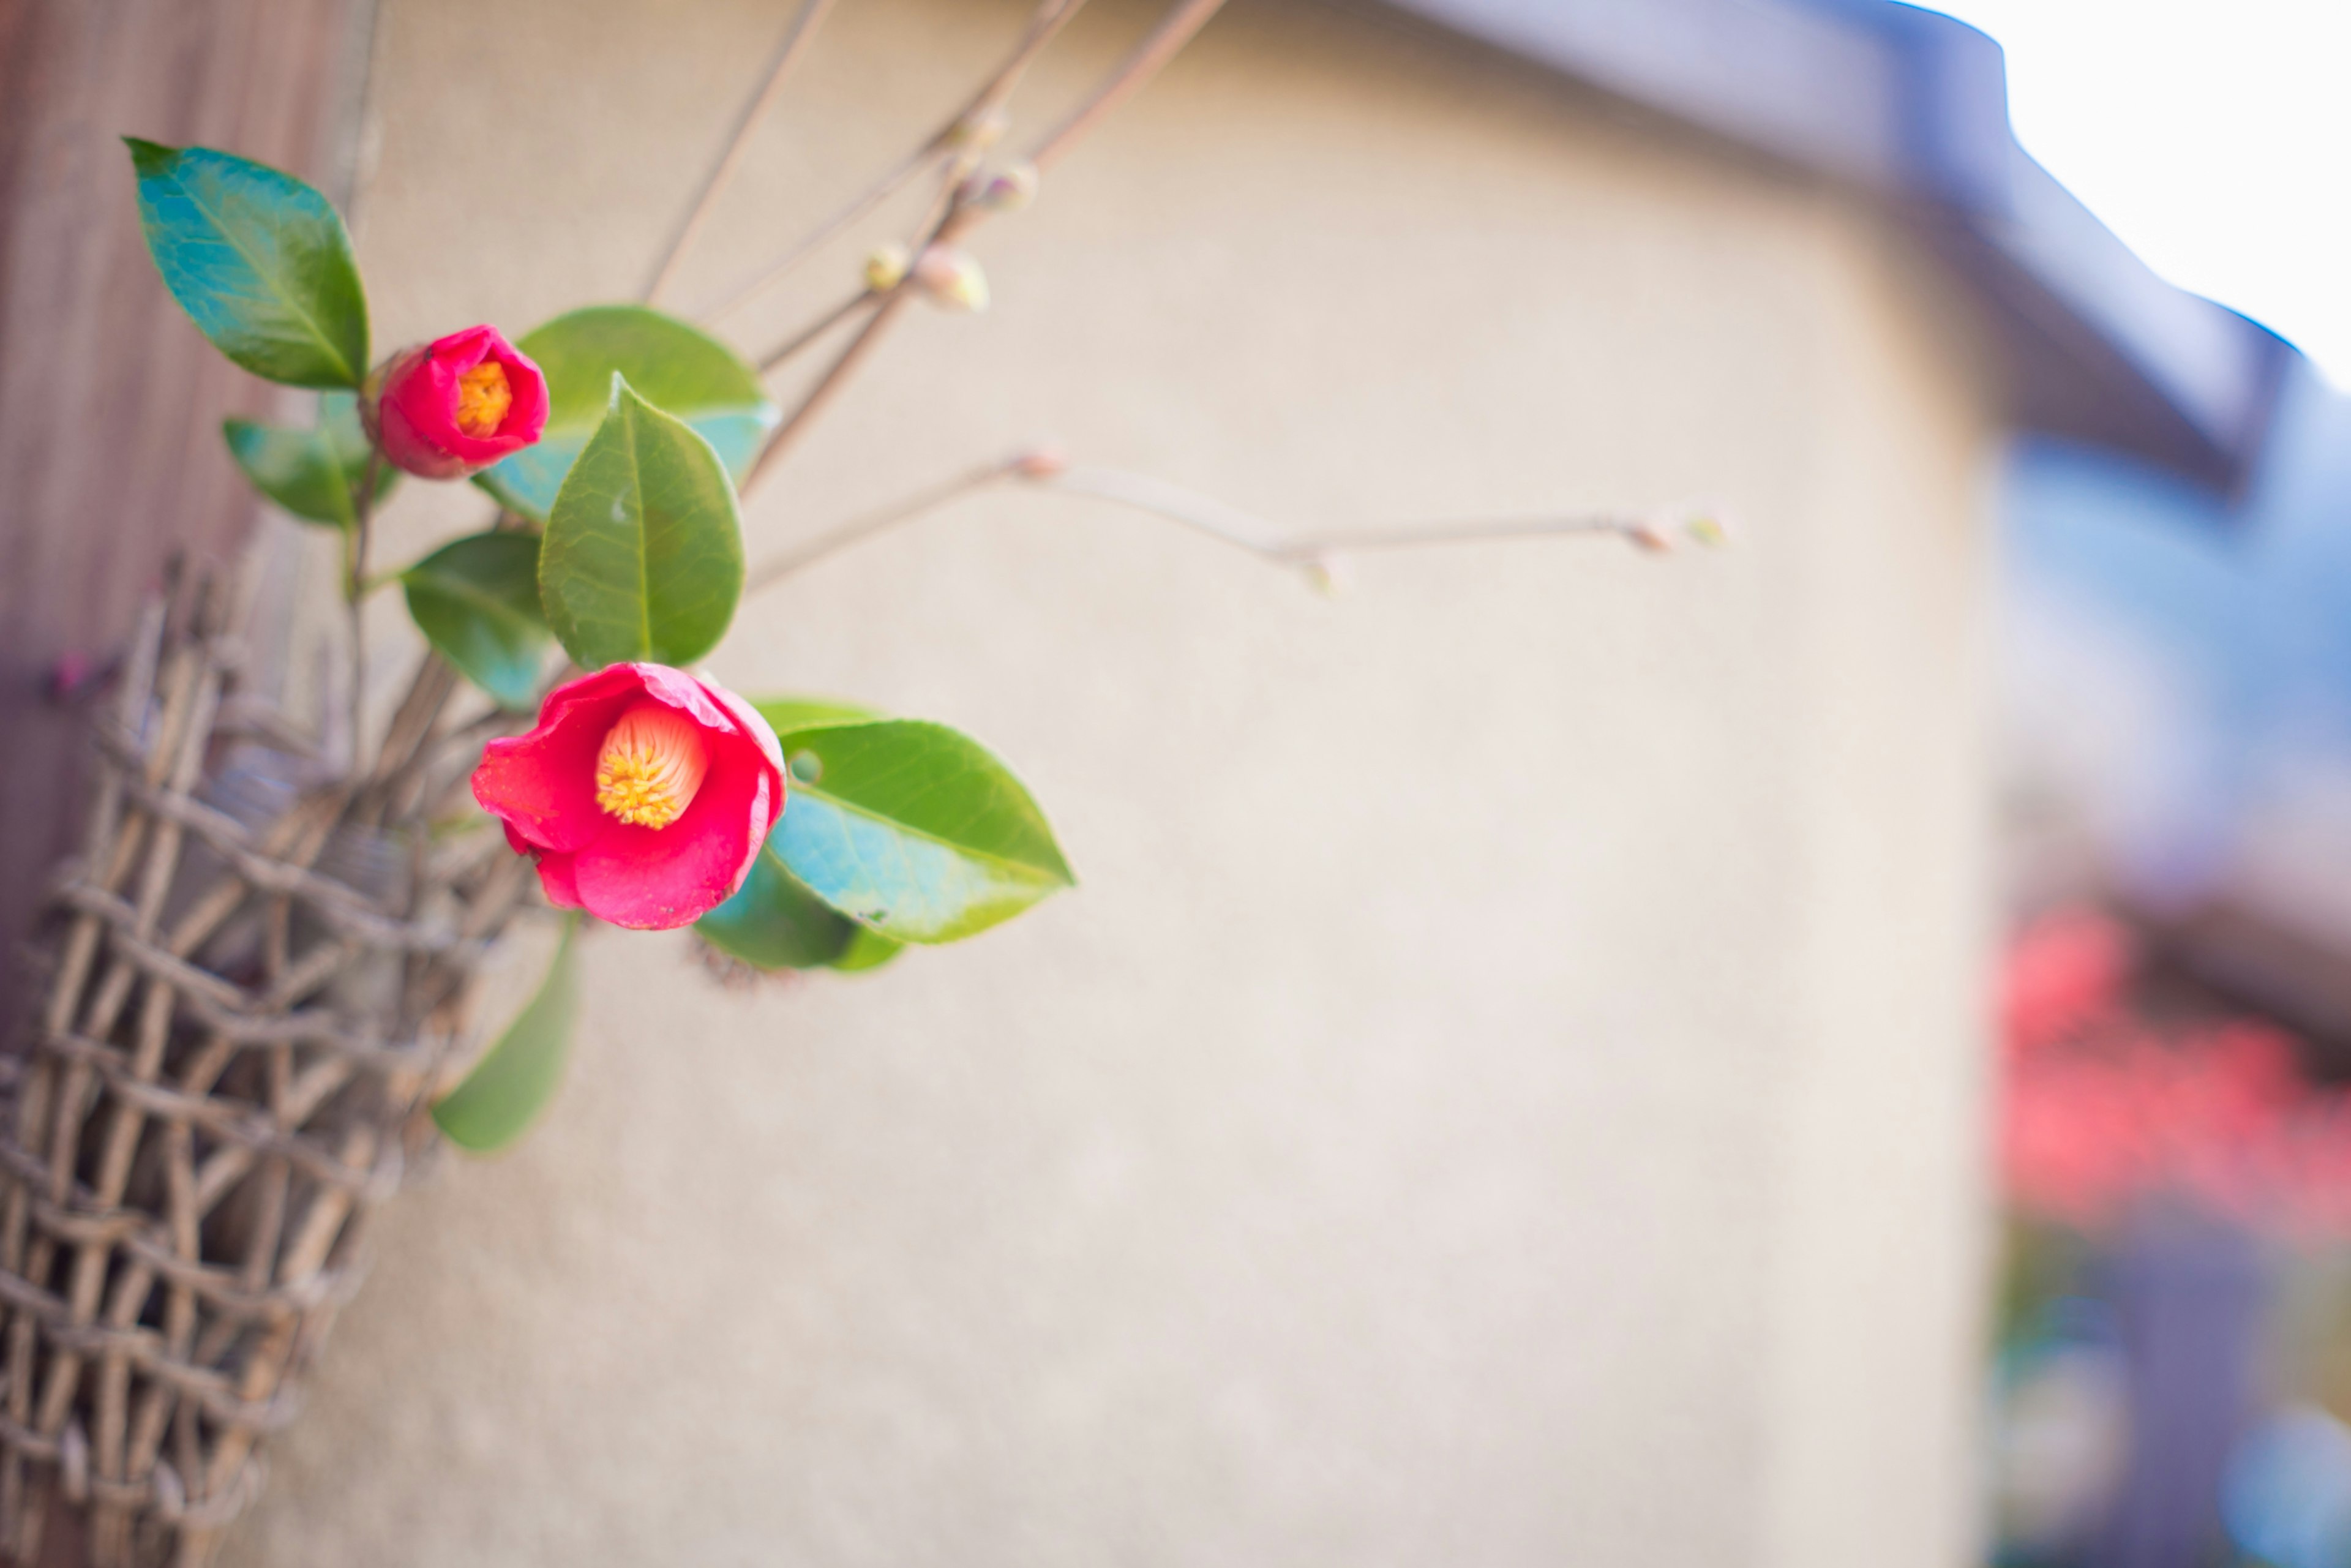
(1172, 33)
(961, 213)
(1206, 516)
(355, 554)
(788, 52)
(865, 201)
(1050, 18)
(777, 356)
(873, 523)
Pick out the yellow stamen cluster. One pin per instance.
(650, 765)
(483, 398)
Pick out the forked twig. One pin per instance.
(865, 201)
(969, 128)
(1312, 553)
(962, 212)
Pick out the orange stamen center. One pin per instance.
(650, 765)
(483, 398)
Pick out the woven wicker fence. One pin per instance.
(256, 974)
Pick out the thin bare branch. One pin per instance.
(861, 528)
(1155, 50)
(1227, 525)
(355, 590)
(792, 345)
(1312, 554)
(967, 130)
(787, 53)
(824, 233)
(1201, 514)
(828, 385)
(1470, 532)
(961, 212)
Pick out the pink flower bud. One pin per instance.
(1010, 189)
(952, 279)
(642, 796)
(1046, 462)
(455, 405)
(1656, 535)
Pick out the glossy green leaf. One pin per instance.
(643, 553)
(913, 831)
(866, 950)
(677, 368)
(516, 1078)
(774, 923)
(258, 260)
(476, 601)
(313, 474)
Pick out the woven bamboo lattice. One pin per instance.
(256, 973)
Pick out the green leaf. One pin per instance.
(774, 923)
(867, 950)
(913, 829)
(673, 366)
(258, 260)
(515, 1080)
(476, 601)
(313, 474)
(785, 715)
(643, 555)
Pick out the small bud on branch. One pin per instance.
(952, 279)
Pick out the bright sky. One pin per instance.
(2214, 136)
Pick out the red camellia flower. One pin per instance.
(644, 795)
(455, 406)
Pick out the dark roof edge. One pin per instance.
(1912, 106)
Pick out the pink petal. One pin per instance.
(652, 879)
(681, 691)
(557, 880)
(754, 725)
(544, 783)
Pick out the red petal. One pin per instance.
(544, 783)
(425, 398)
(652, 879)
(695, 699)
(753, 726)
(556, 880)
(407, 447)
(526, 416)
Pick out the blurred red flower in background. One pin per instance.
(2105, 1108)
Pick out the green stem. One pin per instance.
(355, 591)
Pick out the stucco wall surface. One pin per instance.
(1506, 1090)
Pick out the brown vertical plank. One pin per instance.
(110, 403)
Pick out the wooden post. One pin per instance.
(110, 403)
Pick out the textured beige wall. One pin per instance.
(1506, 1090)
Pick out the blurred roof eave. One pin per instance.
(1912, 106)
